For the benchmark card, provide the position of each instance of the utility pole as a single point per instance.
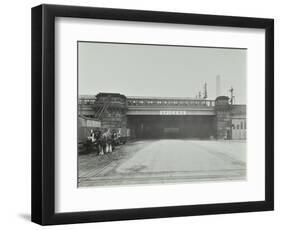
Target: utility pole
(231, 95)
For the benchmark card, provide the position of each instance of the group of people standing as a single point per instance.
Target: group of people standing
(103, 140)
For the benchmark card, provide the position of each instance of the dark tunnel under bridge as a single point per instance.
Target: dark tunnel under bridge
(172, 126)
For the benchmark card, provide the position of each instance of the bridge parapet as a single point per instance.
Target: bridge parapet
(158, 102)
(86, 100)
(169, 102)
(100, 100)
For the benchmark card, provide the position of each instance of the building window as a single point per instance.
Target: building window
(237, 126)
(241, 125)
(245, 127)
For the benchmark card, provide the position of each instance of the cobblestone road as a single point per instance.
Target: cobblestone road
(165, 161)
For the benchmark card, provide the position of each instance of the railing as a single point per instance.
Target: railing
(90, 100)
(169, 102)
(86, 100)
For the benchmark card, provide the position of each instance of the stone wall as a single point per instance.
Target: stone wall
(114, 118)
(114, 108)
(223, 118)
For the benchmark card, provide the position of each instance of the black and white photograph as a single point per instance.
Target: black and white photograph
(158, 114)
(140, 114)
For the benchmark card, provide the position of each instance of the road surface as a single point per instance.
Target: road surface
(166, 161)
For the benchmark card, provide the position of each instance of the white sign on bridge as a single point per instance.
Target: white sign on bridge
(193, 112)
(175, 112)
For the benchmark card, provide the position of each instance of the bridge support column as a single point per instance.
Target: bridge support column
(111, 108)
(223, 118)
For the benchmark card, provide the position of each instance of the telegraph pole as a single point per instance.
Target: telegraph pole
(231, 95)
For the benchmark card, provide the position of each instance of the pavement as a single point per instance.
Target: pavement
(165, 161)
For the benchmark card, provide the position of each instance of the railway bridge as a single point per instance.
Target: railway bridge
(165, 117)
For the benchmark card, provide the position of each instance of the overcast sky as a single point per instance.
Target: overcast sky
(167, 71)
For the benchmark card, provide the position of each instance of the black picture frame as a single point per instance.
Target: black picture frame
(43, 114)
